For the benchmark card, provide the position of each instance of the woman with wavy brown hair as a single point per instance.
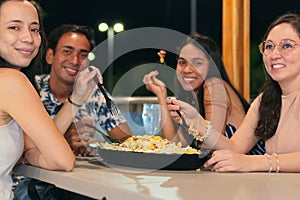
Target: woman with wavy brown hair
(202, 81)
(273, 115)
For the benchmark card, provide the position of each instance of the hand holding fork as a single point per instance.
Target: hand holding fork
(84, 85)
(190, 119)
(110, 103)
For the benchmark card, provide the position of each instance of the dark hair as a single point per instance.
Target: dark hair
(55, 35)
(36, 64)
(271, 91)
(212, 52)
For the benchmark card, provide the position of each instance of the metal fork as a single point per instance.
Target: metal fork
(106, 138)
(184, 125)
(185, 129)
(110, 103)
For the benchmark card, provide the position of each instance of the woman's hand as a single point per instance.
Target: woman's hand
(228, 161)
(155, 85)
(186, 110)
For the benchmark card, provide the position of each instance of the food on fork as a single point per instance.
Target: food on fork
(162, 55)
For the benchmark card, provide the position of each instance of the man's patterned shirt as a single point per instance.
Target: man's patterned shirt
(94, 108)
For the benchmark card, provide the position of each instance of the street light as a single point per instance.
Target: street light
(116, 27)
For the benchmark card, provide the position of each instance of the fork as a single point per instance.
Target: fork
(106, 138)
(186, 131)
(185, 127)
(110, 103)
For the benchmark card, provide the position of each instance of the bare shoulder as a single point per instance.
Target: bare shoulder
(13, 83)
(10, 78)
(213, 81)
(214, 90)
(9, 74)
(213, 84)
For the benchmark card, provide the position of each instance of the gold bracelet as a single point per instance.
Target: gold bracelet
(270, 162)
(192, 131)
(208, 130)
(277, 162)
(75, 104)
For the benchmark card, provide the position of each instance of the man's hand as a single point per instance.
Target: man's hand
(79, 136)
(85, 83)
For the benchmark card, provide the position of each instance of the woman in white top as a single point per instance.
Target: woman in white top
(273, 116)
(24, 122)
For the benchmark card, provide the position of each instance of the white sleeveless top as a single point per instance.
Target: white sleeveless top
(11, 149)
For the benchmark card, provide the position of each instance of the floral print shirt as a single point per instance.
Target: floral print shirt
(94, 108)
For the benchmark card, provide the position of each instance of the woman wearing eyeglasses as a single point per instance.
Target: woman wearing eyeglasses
(273, 116)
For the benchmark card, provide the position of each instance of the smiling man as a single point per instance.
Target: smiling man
(68, 49)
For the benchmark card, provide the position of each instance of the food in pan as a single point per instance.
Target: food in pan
(151, 144)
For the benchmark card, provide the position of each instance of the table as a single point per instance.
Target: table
(99, 181)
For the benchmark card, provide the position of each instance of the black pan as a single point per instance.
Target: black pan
(153, 160)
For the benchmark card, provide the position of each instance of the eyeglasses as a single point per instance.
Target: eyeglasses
(285, 47)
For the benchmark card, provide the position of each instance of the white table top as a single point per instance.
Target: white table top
(98, 181)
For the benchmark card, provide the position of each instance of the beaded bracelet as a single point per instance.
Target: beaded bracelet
(277, 162)
(270, 162)
(75, 104)
(208, 130)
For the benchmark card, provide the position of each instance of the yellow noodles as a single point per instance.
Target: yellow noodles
(151, 144)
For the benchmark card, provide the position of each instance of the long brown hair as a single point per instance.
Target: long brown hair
(271, 91)
(216, 69)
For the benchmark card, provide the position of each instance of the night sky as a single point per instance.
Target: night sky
(171, 14)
